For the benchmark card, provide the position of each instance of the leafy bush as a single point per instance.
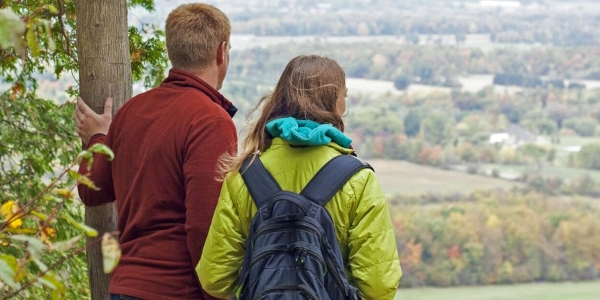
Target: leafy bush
(402, 82)
(43, 240)
(583, 126)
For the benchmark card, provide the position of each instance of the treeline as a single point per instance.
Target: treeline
(430, 65)
(546, 23)
(533, 81)
(496, 237)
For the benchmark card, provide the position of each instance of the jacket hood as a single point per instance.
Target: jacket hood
(307, 132)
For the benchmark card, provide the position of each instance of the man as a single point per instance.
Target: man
(167, 143)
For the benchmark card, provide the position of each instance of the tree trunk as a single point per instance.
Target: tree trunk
(104, 70)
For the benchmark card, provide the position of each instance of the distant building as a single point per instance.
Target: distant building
(500, 3)
(514, 135)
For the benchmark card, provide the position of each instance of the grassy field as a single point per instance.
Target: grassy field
(546, 171)
(566, 141)
(569, 144)
(532, 291)
(401, 177)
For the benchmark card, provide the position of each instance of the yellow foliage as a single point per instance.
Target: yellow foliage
(64, 193)
(46, 233)
(8, 211)
(493, 222)
(563, 233)
(508, 155)
(49, 231)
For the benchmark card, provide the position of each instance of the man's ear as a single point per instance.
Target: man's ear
(221, 52)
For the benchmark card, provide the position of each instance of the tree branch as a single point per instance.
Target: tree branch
(61, 23)
(51, 267)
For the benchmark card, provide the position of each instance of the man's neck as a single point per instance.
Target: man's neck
(209, 75)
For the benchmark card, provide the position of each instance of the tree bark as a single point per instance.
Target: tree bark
(104, 70)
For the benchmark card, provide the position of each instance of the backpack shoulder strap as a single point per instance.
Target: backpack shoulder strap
(331, 177)
(258, 180)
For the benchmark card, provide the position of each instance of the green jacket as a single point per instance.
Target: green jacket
(359, 211)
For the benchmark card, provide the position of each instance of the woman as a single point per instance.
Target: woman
(300, 128)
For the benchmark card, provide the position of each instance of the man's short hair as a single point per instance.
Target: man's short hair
(193, 33)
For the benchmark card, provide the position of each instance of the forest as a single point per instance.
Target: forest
(502, 90)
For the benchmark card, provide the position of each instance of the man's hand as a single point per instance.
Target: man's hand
(89, 123)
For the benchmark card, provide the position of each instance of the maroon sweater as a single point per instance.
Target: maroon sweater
(166, 142)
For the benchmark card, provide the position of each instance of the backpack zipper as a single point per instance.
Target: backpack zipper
(328, 263)
(314, 254)
(336, 274)
(305, 250)
(302, 223)
(300, 287)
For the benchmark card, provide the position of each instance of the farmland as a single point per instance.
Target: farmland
(402, 177)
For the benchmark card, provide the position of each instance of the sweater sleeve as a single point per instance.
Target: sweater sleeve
(224, 250)
(100, 174)
(205, 143)
(373, 256)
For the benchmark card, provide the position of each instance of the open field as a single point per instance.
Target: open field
(532, 291)
(566, 173)
(406, 178)
(573, 141)
(572, 144)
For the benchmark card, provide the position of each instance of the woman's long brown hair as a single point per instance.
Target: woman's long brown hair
(308, 89)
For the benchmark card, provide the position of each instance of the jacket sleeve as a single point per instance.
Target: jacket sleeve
(223, 253)
(373, 254)
(205, 143)
(100, 174)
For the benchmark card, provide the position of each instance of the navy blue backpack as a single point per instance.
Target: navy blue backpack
(292, 252)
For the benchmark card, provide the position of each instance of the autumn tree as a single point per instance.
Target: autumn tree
(41, 222)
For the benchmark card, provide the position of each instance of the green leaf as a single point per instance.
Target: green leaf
(51, 43)
(41, 216)
(74, 174)
(102, 149)
(111, 252)
(34, 245)
(11, 28)
(33, 44)
(85, 154)
(83, 180)
(50, 280)
(89, 231)
(65, 245)
(51, 8)
(41, 265)
(8, 267)
(147, 4)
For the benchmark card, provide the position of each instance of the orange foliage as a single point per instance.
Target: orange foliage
(15, 91)
(136, 55)
(378, 146)
(424, 154)
(411, 256)
(436, 155)
(454, 252)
